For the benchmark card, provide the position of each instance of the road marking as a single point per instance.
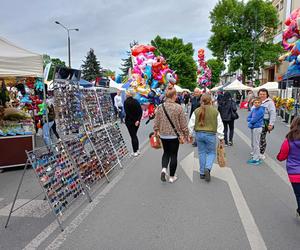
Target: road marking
(59, 240)
(35, 209)
(254, 236)
(269, 161)
(188, 164)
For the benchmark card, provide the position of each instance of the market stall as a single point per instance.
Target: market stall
(21, 102)
(272, 88)
(237, 85)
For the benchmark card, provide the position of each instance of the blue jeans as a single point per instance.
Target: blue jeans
(206, 143)
(46, 132)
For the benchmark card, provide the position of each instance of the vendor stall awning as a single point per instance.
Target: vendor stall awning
(15, 61)
(237, 85)
(271, 86)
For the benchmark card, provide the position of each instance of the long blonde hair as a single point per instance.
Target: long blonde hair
(205, 100)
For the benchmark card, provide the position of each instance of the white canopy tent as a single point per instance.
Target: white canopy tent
(214, 89)
(186, 90)
(237, 85)
(113, 86)
(15, 61)
(271, 86)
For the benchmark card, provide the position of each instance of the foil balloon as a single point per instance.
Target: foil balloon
(204, 72)
(150, 75)
(291, 43)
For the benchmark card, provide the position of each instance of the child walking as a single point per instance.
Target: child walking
(290, 151)
(255, 123)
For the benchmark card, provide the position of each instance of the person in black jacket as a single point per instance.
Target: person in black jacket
(227, 108)
(133, 116)
(195, 101)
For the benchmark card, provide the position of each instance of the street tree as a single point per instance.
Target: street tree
(55, 62)
(216, 66)
(243, 33)
(127, 62)
(179, 56)
(91, 66)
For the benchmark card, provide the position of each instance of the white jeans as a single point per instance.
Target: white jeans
(255, 139)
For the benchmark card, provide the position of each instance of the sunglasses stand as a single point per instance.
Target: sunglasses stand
(59, 177)
(67, 106)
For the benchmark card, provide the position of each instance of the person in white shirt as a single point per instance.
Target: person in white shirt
(119, 105)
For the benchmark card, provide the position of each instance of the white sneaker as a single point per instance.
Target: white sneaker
(135, 154)
(163, 175)
(262, 156)
(173, 179)
(251, 153)
(139, 152)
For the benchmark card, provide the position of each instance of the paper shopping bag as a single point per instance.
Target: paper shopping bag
(221, 155)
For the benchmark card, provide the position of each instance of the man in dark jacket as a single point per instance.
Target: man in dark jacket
(195, 103)
(133, 116)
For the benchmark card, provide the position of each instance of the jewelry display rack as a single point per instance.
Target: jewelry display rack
(69, 167)
(67, 106)
(59, 177)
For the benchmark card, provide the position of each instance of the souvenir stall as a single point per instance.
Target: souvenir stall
(21, 94)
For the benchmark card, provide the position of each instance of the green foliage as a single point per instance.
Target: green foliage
(55, 62)
(90, 67)
(109, 73)
(179, 56)
(243, 32)
(127, 62)
(216, 66)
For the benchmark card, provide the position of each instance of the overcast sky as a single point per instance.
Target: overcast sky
(107, 26)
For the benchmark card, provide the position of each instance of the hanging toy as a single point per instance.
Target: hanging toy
(42, 109)
(39, 85)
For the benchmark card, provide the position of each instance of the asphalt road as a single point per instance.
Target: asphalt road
(243, 207)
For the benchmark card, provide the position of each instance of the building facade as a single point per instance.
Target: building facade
(271, 72)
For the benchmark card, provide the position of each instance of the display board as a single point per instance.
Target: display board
(68, 106)
(58, 175)
(106, 106)
(86, 159)
(117, 140)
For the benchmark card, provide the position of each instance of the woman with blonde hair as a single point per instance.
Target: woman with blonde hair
(171, 125)
(207, 124)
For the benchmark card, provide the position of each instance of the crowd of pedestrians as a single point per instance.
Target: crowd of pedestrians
(211, 121)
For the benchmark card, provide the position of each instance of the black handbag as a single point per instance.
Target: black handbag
(234, 114)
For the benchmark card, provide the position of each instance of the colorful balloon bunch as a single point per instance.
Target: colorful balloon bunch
(150, 74)
(291, 43)
(204, 72)
(149, 77)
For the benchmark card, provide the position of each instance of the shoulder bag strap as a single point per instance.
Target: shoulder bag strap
(172, 124)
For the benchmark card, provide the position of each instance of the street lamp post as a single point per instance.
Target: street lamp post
(69, 40)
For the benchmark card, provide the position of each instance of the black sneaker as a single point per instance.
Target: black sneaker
(207, 175)
(230, 143)
(202, 176)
